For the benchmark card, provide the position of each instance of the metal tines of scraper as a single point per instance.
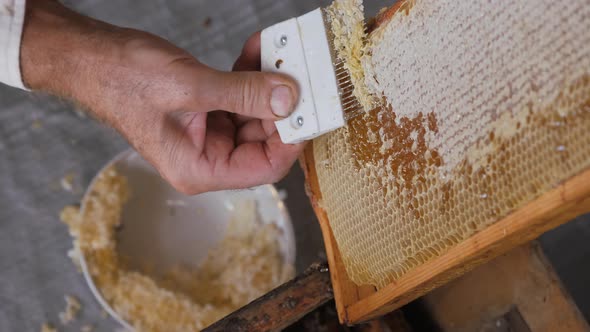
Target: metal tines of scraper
(303, 48)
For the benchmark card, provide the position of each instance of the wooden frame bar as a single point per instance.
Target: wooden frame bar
(282, 306)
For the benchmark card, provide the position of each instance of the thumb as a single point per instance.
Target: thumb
(258, 95)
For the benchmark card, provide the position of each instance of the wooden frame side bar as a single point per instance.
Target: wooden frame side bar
(346, 292)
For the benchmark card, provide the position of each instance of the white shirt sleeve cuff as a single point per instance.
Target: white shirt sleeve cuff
(12, 16)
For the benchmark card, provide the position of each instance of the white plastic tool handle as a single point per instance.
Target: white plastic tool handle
(299, 48)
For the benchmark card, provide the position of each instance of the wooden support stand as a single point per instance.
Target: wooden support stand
(518, 291)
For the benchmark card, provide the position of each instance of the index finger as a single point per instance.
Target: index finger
(249, 59)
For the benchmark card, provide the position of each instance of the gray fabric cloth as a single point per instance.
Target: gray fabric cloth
(42, 139)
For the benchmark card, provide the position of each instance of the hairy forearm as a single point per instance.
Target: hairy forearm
(60, 49)
(102, 67)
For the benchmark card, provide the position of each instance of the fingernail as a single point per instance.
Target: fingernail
(281, 101)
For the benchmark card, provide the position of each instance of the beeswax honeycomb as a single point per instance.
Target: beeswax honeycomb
(486, 106)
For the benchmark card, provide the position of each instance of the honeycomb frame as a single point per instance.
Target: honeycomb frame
(359, 303)
(550, 207)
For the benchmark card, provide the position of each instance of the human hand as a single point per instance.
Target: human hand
(202, 129)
